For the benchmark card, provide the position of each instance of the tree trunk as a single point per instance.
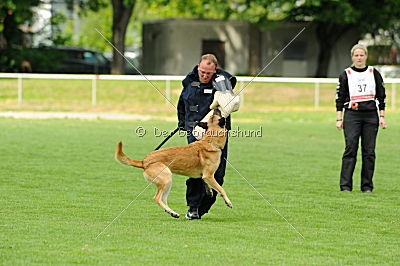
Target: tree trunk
(325, 52)
(121, 16)
(11, 33)
(327, 36)
(254, 51)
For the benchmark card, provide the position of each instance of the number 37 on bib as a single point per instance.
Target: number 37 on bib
(361, 85)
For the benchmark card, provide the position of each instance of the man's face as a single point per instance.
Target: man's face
(206, 71)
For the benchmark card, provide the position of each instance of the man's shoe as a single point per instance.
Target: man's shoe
(367, 191)
(346, 190)
(193, 214)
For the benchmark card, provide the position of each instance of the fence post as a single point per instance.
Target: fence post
(393, 96)
(167, 91)
(316, 95)
(19, 89)
(94, 90)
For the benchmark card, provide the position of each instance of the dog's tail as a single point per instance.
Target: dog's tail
(122, 158)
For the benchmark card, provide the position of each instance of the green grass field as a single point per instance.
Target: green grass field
(60, 187)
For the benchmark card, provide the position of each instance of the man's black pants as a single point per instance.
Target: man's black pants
(358, 124)
(196, 194)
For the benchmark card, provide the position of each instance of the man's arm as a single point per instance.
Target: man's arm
(233, 81)
(181, 113)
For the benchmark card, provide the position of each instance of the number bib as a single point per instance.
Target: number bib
(361, 85)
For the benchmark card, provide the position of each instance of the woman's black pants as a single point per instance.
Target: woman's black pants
(358, 124)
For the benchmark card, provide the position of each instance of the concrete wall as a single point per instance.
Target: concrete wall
(341, 58)
(275, 38)
(174, 46)
(297, 59)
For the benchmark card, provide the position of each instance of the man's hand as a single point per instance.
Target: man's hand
(226, 101)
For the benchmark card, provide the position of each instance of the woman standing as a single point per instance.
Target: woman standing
(360, 92)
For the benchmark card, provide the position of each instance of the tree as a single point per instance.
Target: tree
(13, 15)
(258, 12)
(121, 16)
(122, 12)
(333, 18)
(254, 11)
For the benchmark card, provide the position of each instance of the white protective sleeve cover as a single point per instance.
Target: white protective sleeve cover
(227, 103)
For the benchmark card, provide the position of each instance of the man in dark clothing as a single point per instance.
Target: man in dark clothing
(194, 101)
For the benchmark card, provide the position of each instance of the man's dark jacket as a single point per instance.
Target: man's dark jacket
(196, 98)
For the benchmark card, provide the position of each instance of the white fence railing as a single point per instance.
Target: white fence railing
(243, 81)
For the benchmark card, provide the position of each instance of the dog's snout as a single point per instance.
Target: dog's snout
(217, 112)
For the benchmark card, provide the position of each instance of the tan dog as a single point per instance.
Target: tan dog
(198, 159)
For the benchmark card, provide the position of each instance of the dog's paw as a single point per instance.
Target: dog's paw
(175, 215)
(229, 204)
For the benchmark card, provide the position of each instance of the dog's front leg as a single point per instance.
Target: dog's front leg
(210, 180)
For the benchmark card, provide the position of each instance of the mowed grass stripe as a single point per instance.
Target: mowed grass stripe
(60, 186)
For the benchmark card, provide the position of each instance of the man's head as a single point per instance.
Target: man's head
(207, 67)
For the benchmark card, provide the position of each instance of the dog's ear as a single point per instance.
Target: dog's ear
(222, 122)
(203, 125)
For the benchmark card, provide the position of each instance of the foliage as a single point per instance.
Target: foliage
(39, 58)
(388, 36)
(333, 19)
(259, 12)
(85, 5)
(16, 19)
(57, 37)
(13, 15)
(368, 15)
(102, 20)
(88, 37)
(383, 55)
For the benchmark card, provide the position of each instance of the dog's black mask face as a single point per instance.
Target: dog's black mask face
(203, 125)
(217, 112)
(222, 122)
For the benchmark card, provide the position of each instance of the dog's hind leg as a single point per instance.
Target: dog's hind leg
(210, 180)
(164, 197)
(160, 175)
